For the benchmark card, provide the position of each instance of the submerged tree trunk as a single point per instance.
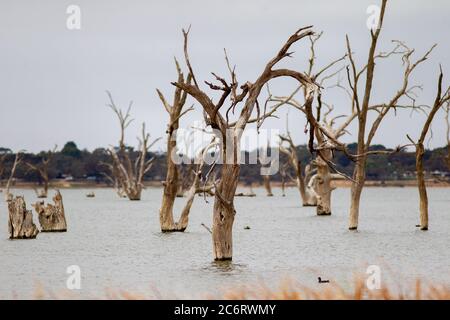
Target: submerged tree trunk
(166, 211)
(360, 177)
(266, 180)
(420, 151)
(20, 220)
(423, 207)
(52, 217)
(224, 212)
(307, 192)
(323, 186)
(283, 185)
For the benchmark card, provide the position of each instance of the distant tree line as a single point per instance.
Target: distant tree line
(72, 163)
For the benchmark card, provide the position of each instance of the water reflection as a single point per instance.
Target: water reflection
(225, 267)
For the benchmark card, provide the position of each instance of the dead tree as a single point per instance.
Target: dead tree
(447, 123)
(17, 161)
(319, 194)
(440, 100)
(366, 133)
(2, 167)
(327, 140)
(306, 184)
(230, 133)
(267, 186)
(129, 173)
(283, 175)
(172, 183)
(267, 170)
(20, 220)
(52, 217)
(42, 170)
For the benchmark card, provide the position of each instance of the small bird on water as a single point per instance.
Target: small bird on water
(322, 281)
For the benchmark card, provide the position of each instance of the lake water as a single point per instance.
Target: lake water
(117, 244)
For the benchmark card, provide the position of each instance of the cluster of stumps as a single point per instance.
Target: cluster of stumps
(20, 220)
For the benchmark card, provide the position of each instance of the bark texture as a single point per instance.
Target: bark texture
(52, 217)
(323, 186)
(20, 220)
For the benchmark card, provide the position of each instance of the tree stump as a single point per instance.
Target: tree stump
(20, 220)
(52, 217)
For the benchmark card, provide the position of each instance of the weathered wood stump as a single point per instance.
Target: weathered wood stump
(41, 193)
(52, 217)
(20, 220)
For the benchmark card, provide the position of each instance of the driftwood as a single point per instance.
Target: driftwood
(20, 220)
(52, 217)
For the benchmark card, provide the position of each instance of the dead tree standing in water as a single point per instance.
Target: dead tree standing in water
(42, 170)
(319, 193)
(305, 184)
(360, 110)
(20, 220)
(129, 174)
(268, 172)
(172, 183)
(52, 217)
(230, 133)
(17, 161)
(447, 123)
(420, 151)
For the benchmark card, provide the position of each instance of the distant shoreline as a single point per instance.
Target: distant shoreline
(158, 184)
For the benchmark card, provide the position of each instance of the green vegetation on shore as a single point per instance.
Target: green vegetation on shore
(71, 163)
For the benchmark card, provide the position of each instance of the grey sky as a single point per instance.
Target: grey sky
(53, 80)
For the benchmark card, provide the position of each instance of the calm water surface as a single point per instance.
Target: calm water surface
(117, 244)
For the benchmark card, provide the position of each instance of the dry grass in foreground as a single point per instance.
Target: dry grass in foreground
(287, 290)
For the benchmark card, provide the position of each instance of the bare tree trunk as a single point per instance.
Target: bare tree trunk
(360, 177)
(169, 195)
(447, 123)
(423, 206)
(135, 193)
(52, 217)
(307, 190)
(323, 187)
(266, 180)
(420, 151)
(224, 212)
(20, 220)
(17, 161)
(172, 185)
(283, 185)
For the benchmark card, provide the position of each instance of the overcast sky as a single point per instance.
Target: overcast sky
(53, 80)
